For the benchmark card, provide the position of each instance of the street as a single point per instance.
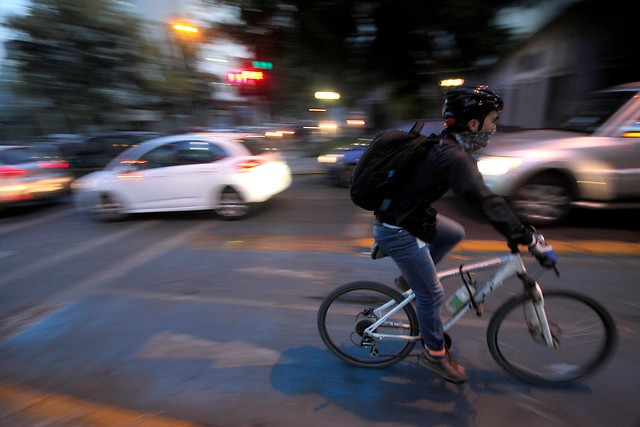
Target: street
(185, 319)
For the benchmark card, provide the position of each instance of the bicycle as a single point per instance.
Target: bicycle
(551, 339)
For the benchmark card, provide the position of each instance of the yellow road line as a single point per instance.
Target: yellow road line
(599, 247)
(34, 406)
(349, 245)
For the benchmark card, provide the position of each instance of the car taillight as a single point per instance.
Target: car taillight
(247, 165)
(9, 171)
(53, 164)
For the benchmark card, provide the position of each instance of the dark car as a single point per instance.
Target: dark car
(95, 151)
(340, 162)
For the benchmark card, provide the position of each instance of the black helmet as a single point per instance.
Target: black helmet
(468, 103)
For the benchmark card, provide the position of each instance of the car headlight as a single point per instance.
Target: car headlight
(330, 158)
(498, 165)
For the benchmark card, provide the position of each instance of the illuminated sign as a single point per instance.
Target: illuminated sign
(262, 64)
(242, 77)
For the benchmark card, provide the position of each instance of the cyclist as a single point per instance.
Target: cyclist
(470, 115)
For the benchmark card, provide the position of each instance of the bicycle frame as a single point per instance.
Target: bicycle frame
(506, 265)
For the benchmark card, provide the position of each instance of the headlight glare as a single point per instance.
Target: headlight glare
(330, 158)
(498, 165)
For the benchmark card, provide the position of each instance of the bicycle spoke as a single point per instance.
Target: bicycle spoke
(583, 331)
(345, 314)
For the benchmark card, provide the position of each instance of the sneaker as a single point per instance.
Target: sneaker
(401, 284)
(445, 366)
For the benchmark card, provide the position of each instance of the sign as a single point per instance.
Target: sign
(242, 77)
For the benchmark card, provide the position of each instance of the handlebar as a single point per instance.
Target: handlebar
(513, 247)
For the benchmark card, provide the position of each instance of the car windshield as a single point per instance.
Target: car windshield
(593, 111)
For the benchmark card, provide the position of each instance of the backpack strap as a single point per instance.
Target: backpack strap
(417, 127)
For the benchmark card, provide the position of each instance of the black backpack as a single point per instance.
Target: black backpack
(382, 172)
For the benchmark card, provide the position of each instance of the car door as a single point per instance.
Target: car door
(170, 177)
(629, 162)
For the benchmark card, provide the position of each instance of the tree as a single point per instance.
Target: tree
(88, 59)
(360, 44)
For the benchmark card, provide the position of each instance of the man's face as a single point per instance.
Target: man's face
(490, 121)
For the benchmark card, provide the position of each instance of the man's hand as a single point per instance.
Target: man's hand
(544, 253)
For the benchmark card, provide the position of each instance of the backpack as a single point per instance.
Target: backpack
(386, 165)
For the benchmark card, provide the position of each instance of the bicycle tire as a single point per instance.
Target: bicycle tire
(338, 325)
(583, 328)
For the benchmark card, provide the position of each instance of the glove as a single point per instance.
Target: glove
(544, 253)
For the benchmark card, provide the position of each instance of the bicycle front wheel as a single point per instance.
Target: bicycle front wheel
(584, 333)
(347, 311)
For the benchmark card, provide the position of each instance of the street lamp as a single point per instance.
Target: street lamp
(327, 95)
(451, 82)
(185, 28)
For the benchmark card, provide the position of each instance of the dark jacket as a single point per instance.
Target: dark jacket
(447, 167)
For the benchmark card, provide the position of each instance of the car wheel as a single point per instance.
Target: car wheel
(543, 199)
(107, 208)
(232, 205)
(344, 177)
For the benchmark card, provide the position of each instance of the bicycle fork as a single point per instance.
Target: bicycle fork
(535, 313)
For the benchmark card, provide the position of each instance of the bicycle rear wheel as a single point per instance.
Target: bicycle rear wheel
(584, 332)
(347, 311)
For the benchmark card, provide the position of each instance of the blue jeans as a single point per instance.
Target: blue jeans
(418, 268)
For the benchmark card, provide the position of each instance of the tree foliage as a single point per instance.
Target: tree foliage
(358, 44)
(88, 58)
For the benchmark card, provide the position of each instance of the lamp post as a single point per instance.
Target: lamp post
(186, 36)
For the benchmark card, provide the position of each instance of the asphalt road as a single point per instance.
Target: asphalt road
(183, 319)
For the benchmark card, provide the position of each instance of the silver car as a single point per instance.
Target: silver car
(590, 160)
(32, 173)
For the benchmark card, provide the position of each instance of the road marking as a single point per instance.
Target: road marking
(48, 218)
(234, 354)
(596, 247)
(12, 326)
(124, 267)
(6, 253)
(340, 244)
(286, 272)
(70, 253)
(45, 408)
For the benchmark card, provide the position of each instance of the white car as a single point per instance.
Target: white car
(590, 160)
(225, 172)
